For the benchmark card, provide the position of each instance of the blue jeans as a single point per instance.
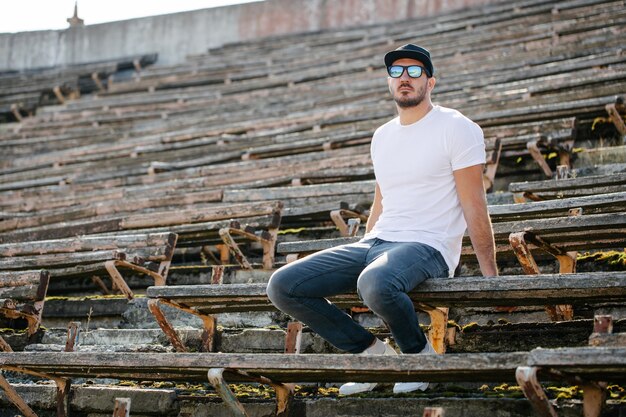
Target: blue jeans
(382, 272)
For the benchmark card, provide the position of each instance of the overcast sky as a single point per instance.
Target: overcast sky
(27, 15)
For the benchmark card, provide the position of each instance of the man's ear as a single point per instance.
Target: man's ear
(389, 85)
(431, 83)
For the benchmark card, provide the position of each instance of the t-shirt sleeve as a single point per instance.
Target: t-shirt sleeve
(467, 145)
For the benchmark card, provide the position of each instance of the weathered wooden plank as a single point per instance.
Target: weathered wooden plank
(305, 246)
(465, 291)
(600, 363)
(593, 182)
(199, 215)
(590, 204)
(283, 368)
(277, 193)
(87, 243)
(16, 278)
(62, 230)
(27, 292)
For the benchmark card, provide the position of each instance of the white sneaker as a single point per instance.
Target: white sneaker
(379, 348)
(402, 387)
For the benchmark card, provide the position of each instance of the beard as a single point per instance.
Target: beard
(406, 101)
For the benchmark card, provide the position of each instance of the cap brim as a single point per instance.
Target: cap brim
(393, 56)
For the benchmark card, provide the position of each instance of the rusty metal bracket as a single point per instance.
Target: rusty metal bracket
(120, 283)
(353, 226)
(73, 336)
(520, 248)
(438, 326)
(293, 338)
(594, 397)
(122, 407)
(433, 412)
(62, 396)
(100, 284)
(616, 118)
(32, 319)
(96, 79)
(527, 379)
(209, 323)
(567, 264)
(491, 165)
(15, 398)
(216, 378)
(284, 392)
(16, 112)
(338, 217)
(266, 238)
(4, 346)
(59, 94)
(533, 149)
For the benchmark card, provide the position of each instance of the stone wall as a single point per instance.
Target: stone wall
(174, 36)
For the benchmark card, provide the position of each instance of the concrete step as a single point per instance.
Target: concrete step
(201, 401)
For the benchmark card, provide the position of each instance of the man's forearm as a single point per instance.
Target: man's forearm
(481, 234)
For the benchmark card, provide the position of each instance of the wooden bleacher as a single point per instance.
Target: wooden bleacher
(205, 148)
(149, 254)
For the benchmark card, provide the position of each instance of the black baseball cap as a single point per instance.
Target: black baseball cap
(411, 51)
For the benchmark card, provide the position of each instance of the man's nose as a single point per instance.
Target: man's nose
(405, 75)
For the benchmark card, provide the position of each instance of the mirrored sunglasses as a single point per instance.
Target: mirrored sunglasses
(396, 71)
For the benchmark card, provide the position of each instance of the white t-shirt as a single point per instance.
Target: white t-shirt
(413, 165)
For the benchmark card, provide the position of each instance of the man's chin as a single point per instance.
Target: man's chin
(407, 103)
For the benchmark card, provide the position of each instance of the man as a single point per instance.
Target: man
(428, 163)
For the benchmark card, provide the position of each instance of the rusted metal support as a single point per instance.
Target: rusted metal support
(155, 309)
(120, 283)
(603, 332)
(527, 379)
(293, 338)
(122, 407)
(63, 397)
(284, 392)
(491, 165)
(16, 112)
(562, 172)
(118, 280)
(96, 79)
(59, 94)
(594, 396)
(533, 149)
(4, 346)
(433, 412)
(63, 389)
(217, 274)
(137, 65)
(209, 323)
(216, 378)
(232, 246)
(603, 324)
(613, 110)
(100, 284)
(15, 398)
(438, 326)
(224, 253)
(525, 258)
(338, 217)
(73, 336)
(353, 226)
(267, 239)
(567, 265)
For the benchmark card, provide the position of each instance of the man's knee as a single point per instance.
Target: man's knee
(278, 285)
(374, 289)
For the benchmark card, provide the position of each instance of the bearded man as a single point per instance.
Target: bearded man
(428, 164)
